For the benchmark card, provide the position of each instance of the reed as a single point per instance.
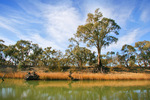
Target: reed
(82, 76)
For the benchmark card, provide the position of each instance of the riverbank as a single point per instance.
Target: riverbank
(82, 76)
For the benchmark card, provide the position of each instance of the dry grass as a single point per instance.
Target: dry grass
(82, 76)
(54, 76)
(18, 75)
(112, 76)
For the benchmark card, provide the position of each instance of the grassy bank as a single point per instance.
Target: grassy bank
(82, 76)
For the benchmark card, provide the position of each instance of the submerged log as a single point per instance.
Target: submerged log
(31, 76)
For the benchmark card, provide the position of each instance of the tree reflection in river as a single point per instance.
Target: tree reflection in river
(64, 90)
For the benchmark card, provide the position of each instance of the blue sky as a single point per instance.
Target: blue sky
(53, 22)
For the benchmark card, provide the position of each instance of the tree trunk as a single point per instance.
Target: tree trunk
(80, 64)
(127, 63)
(99, 62)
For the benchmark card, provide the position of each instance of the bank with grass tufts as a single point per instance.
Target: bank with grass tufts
(81, 76)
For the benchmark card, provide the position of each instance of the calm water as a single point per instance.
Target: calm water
(13, 89)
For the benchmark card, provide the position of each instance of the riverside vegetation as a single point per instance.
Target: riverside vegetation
(82, 76)
(132, 62)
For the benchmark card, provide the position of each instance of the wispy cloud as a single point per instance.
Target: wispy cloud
(145, 15)
(44, 43)
(45, 24)
(9, 25)
(145, 10)
(60, 20)
(61, 26)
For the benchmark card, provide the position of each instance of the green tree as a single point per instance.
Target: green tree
(2, 47)
(143, 52)
(24, 50)
(97, 32)
(11, 54)
(110, 57)
(48, 56)
(128, 53)
(120, 59)
(35, 54)
(80, 55)
(58, 60)
(104, 59)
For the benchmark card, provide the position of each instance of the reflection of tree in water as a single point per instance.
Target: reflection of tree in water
(33, 92)
(71, 82)
(32, 83)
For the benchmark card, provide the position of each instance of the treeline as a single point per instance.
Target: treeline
(25, 53)
(130, 56)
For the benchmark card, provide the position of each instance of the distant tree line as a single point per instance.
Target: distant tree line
(130, 56)
(25, 53)
(96, 32)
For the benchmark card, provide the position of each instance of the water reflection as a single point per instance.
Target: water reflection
(80, 90)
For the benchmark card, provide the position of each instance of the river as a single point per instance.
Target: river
(18, 89)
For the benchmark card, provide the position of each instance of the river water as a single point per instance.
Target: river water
(14, 89)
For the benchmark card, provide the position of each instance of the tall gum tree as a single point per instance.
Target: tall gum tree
(98, 32)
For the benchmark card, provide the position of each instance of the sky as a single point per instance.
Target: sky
(50, 23)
